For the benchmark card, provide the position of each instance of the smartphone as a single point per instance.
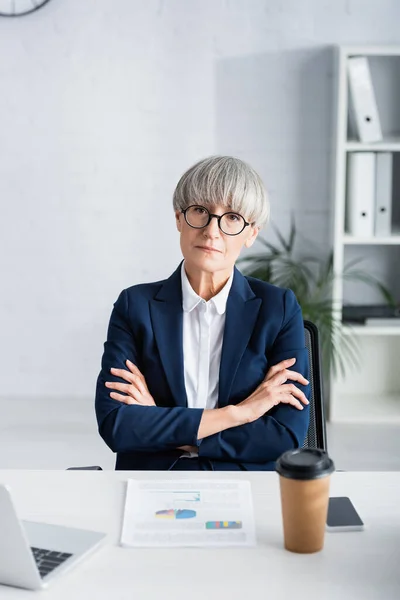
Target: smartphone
(342, 516)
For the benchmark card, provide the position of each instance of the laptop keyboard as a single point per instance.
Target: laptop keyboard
(47, 560)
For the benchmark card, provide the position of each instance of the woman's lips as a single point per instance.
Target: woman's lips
(207, 249)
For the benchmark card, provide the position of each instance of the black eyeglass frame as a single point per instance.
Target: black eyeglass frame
(218, 217)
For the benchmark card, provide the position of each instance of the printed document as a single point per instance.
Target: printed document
(188, 512)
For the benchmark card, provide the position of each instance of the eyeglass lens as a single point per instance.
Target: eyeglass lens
(230, 223)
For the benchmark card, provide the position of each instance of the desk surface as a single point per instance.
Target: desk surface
(363, 565)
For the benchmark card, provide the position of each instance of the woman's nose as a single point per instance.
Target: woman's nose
(212, 228)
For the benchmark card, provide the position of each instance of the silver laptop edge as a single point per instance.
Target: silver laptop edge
(17, 564)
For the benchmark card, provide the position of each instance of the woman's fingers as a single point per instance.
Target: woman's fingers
(289, 399)
(295, 376)
(137, 381)
(125, 388)
(136, 371)
(284, 364)
(283, 375)
(127, 375)
(121, 387)
(133, 367)
(293, 390)
(131, 378)
(133, 396)
(282, 369)
(124, 399)
(135, 391)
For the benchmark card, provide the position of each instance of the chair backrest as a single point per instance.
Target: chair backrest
(316, 435)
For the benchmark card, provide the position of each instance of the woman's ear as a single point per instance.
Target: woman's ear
(252, 237)
(178, 220)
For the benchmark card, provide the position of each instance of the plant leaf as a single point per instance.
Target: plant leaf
(311, 278)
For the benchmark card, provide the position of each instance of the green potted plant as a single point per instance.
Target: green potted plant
(311, 278)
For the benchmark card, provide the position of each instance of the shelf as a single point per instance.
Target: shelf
(366, 408)
(371, 330)
(388, 50)
(389, 144)
(389, 240)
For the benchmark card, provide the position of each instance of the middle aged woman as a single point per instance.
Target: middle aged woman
(207, 369)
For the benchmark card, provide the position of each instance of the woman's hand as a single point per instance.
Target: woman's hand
(136, 389)
(188, 448)
(274, 390)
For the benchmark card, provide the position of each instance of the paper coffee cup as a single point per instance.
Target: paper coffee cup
(304, 485)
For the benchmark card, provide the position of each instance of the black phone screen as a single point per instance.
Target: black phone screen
(341, 513)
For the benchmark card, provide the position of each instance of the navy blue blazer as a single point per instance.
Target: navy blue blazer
(263, 326)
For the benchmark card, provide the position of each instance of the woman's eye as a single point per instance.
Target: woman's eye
(233, 217)
(200, 210)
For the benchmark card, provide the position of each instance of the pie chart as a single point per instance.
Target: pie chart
(173, 513)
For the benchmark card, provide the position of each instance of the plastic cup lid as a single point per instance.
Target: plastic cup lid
(304, 463)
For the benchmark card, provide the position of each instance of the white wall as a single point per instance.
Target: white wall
(103, 104)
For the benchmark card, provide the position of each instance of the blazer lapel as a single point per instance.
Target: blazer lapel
(167, 319)
(241, 314)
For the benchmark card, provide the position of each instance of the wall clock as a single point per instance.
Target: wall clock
(18, 8)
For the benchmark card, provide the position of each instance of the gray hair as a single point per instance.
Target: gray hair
(226, 181)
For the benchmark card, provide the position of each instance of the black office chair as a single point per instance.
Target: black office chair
(316, 435)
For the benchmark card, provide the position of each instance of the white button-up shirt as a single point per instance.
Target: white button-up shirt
(203, 332)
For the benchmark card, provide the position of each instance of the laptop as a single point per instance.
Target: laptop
(33, 554)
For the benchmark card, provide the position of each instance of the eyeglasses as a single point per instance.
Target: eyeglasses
(198, 217)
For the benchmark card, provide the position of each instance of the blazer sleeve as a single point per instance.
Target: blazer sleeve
(133, 428)
(283, 427)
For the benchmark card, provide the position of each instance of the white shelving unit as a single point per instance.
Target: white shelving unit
(378, 241)
(375, 330)
(390, 144)
(370, 393)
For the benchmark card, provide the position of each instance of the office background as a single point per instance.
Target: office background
(103, 105)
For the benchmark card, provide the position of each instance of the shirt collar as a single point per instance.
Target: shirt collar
(190, 299)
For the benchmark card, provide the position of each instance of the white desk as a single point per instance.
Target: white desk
(357, 565)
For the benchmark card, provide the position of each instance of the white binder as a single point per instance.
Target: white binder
(361, 194)
(363, 102)
(383, 195)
